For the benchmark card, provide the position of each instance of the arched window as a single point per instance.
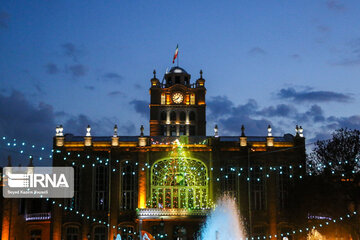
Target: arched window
(179, 183)
(192, 116)
(128, 185)
(35, 234)
(74, 202)
(100, 233)
(101, 187)
(173, 116)
(72, 233)
(182, 116)
(163, 116)
(127, 233)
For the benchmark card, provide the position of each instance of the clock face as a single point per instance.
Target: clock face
(177, 97)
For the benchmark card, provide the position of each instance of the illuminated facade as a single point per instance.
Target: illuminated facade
(166, 183)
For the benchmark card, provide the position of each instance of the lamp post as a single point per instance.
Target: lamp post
(88, 236)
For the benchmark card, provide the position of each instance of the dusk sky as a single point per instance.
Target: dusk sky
(265, 62)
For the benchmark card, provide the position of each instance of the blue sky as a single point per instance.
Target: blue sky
(265, 62)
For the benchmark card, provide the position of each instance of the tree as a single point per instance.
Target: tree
(336, 166)
(338, 156)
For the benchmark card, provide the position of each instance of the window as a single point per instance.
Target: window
(228, 183)
(163, 98)
(182, 116)
(192, 116)
(100, 233)
(283, 183)
(257, 188)
(177, 79)
(182, 130)
(101, 187)
(179, 183)
(35, 234)
(127, 233)
(192, 131)
(128, 185)
(173, 131)
(192, 99)
(163, 116)
(163, 131)
(173, 116)
(72, 233)
(74, 202)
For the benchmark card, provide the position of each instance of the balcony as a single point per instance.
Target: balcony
(37, 216)
(171, 212)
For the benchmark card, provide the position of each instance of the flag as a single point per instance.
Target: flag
(176, 52)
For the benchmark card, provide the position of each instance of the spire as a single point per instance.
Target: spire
(154, 72)
(31, 161)
(9, 161)
(115, 131)
(88, 129)
(216, 131)
(269, 131)
(201, 72)
(242, 130)
(142, 131)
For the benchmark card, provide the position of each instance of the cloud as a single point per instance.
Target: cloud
(51, 68)
(137, 86)
(77, 70)
(257, 51)
(352, 122)
(313, 96)
(72, 51)
(22, 120)
(219, 106)
(115, 93)
(229, 117)
(335, 5)
(353, 54)
(281, 110)
(295, 56)
(4, 20)
(113, 77)
(323, 28)
(141, 107)
(314, 115)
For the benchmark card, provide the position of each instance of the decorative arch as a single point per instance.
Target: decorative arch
(179, 182)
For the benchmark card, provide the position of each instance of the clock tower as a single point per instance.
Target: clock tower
(177, 107)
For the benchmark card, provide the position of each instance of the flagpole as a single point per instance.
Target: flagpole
(178, 56)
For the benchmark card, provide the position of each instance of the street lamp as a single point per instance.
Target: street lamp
(88, 236)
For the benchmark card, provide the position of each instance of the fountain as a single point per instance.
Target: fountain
(224, 222)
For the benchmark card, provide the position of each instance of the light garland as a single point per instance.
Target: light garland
(85, 216)
(307, 229)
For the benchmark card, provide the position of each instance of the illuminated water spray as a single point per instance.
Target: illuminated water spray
(224, 222)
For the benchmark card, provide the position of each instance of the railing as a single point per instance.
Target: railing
(37, 216)
(148, 212)
(192, 140)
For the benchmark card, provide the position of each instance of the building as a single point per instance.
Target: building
(165, 184)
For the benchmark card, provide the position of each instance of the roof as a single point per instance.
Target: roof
(177, 70)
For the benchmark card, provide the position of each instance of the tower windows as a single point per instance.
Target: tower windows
(163, 116)
(192, 116)
(177, 79)
(173, 116)
(173, 131)
(182, 116)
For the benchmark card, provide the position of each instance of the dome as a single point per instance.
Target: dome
(177, 70)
